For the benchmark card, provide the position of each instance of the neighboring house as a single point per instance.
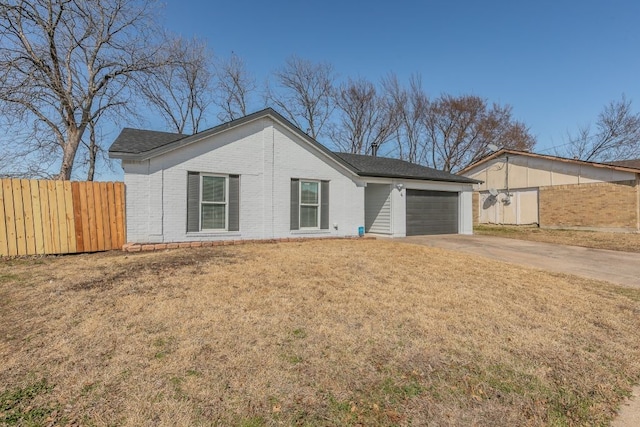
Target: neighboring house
(526, 188)
(260, 177)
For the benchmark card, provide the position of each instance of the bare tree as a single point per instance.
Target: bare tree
(305, 94)
(181, 90)
(366, 121)
(616, 135)
(234, 87)
(410, 107)
(459, 130)
(57, 57)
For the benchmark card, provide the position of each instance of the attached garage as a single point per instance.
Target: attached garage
(432, 212)
(404, 199)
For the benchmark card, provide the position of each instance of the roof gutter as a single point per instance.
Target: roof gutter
(382, 175)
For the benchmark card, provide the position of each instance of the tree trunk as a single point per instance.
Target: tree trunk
(69, 154)
(93, 152)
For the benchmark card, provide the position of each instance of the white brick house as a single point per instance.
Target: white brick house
(260, 177)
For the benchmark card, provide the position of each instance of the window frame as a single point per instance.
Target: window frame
(225, 203)
(318, 204)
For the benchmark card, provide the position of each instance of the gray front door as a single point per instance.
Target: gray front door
(431, 212)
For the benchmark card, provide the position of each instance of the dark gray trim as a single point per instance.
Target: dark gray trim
(390, 175)
(324, 205)
(295, 204)
(234, 203)
(193, 201)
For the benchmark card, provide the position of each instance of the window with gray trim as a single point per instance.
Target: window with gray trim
(212, 202)
(309, 204)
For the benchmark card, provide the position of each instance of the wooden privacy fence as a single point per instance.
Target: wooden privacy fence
(58, 217)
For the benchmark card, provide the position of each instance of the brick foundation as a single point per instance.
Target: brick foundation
(137, 247)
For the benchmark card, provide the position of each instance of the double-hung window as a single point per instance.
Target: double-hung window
(309, 204)
(213, 202)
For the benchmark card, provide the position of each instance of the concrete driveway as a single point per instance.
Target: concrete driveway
(622, 268)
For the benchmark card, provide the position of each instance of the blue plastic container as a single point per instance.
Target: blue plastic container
(360, 231)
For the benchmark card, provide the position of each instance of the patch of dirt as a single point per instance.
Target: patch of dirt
(174, 263)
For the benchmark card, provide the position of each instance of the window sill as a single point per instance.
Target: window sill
(213, 233)
(311, 231)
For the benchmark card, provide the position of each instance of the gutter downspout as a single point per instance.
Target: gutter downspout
(507, 176)
(273, 179)
(161, 204)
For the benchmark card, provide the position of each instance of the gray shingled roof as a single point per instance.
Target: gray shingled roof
(395, 168)
(136, 141)
(138, 144)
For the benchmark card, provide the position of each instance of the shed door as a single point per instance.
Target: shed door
(431, 212)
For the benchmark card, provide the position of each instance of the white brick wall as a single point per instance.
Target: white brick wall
(136, 181)
(266, 155)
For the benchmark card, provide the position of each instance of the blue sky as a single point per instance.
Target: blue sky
(556, 62)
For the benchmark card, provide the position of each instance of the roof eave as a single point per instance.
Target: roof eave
(547, 157)
(267, 112)
(469, 181)
(125, 156)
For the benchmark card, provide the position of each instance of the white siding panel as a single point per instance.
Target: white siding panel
(377, 199)
(522, 209)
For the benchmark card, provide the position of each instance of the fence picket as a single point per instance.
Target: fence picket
(97, 203)
(91, 213)
(10, 215)
(104, 208)
(38, 234)
(68, 209)
(77, 216)
(120, 213)
(27, 208)
(62, 222)
(55, 217)
(4, 249)
(18, 207)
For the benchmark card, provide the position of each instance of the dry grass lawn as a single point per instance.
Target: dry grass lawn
(327, 333)
(626, 242)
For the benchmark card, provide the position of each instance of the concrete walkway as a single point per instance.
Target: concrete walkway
(622, 268)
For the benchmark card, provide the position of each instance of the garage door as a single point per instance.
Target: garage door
(431, 212)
